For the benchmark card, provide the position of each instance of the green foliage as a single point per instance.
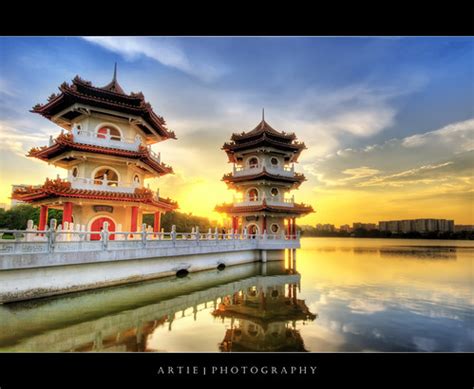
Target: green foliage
(183, 222)
(17, 217)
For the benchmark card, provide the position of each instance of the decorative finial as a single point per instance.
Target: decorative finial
(115, 72)
(263, 114)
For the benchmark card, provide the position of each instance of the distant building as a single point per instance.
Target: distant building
(325, 227)
(463, 227)
(417, 225)
(365, 226)
(345, 227)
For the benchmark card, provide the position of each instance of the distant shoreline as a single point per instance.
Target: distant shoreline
(462, 235)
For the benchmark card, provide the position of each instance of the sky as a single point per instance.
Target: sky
(388, 121)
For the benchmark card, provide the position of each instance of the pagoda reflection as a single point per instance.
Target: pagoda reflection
(260, 299)
(264, 319)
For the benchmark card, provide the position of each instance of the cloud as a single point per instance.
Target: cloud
(460, 134)
(166, 51)
(360, 172)
(18, 136)
(428, 158)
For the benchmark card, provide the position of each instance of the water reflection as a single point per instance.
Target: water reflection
(132, 318)
(264, 319)
(352, 295)
(388, 295)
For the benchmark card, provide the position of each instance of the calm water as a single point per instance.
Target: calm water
(347, 295)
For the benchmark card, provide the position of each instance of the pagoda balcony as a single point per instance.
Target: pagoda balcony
(103, 184)
(287, 171)
(270, 200)
(111, 141)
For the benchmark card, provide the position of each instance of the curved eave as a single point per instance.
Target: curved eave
(297, 209)
(229, 178)
(43, 193)
(117, 102)
(63, 145)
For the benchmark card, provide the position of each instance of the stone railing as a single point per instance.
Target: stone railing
(103, 184)
(286, 171)
(271, 200)
(106, 140)
(72, 237)
(155, 156)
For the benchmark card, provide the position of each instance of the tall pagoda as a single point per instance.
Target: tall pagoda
(263, 175)
(104, 145)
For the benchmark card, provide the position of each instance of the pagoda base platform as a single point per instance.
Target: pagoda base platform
(35, 275)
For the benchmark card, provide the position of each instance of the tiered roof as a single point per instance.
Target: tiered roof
(295, 179)
(297, 209)
(263, 135)
(111, 97)
(59, 188)
(65, 142)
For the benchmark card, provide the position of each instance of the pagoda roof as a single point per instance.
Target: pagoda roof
(264, 174)
(261, 128)
(283, 312)
(264, 139)
(65, 142)
(111, 97)
(60, 188)
(297, 209)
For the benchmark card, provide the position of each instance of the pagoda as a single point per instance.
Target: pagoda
(263, 175)
(263, 318)
(104, 145)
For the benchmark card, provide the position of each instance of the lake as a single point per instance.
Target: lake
(346, 294)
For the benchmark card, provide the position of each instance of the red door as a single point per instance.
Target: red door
(98, 225)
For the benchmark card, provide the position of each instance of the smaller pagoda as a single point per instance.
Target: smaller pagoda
(263, 318)
(105, 148)
(263, 175)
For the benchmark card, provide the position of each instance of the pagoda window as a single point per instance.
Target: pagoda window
(274, 161)
(274, 192)
(109, 131)
(75, 172)
(253, 194)
(253, 162)
(106, 174)
(136, 179)
(274, 228)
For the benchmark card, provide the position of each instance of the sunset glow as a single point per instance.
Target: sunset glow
(389, 123)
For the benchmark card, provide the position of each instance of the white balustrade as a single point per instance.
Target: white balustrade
(105, 140)
(103, 184)
(155, 156)
(71, 237)
(271, 200)
(286, 171)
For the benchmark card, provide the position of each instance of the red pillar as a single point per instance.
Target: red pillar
(133, 222)
(264, 225)
(235, 223)
(67, 212)
(43, 219)
(156, 222)
(293, 225)
(289, 228)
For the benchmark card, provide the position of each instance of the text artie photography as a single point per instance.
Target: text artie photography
(271, 208)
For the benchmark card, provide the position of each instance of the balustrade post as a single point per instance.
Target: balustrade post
(105, 235)
(173, 233)
(51, 235)
(197, 233)
(144, 235)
